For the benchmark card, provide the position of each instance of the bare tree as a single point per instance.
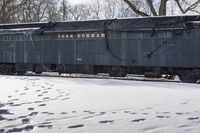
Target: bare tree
(8, 9)
(184, 6)
(64, 10)
(96, 9)
(124, 10)
(110, 8)
(52, 12)
(187, 6)
(34, 11)
(80, 12)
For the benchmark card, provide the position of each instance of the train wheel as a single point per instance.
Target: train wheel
(122, 73)
(21, 73)
(113, 74)
(170, 77)
(7, 69)
(188, 77)
(38, 72)
(117, 72)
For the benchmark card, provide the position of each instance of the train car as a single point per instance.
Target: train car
(153, 46)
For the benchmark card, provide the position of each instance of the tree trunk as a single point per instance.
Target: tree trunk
(163, 9)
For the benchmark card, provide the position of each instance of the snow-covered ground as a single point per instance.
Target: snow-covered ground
(75, 105)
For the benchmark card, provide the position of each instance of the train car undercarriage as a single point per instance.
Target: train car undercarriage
(185, 75)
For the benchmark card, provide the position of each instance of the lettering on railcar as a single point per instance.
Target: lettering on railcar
(81, 35)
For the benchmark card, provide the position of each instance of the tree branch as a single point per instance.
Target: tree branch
(150, 3)
(191, 7)
(133, 7)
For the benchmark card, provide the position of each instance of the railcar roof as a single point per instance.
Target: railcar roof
(162, 22)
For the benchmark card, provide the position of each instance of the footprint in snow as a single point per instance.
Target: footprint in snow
(46, 98)
(160, 116)
(76, 126)
(22, 117)
(151, 129)
(149, 108)
(4, 112)
(67, 94)
(13, 100)
(33, 114)
(25, 121)
(65, 99)
(102, 113)
(133, 113)
(48, 113)
(16, 105)
(59, 96)
(26, 128)
(38, 101)
(145, 113)
(179, 113)
(1, 105)
(184, 126)
(26, 89)
(30, 108)
(138, 120)
(2, 118)
(89, 112)
(166, 112)
(126, 111)
(193, 118)
(63, 113)
(48, 88)
(106, 121)
(45, 126)
(38, 91)
(58, 90)
(9, 96)
(42, 105)
(74, 111)
(45, 92)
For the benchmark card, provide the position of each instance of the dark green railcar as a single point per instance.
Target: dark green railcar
(153, 46)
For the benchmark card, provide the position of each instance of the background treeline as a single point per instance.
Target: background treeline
(14, 11)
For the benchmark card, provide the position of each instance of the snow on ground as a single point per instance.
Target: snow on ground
(75, 105)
